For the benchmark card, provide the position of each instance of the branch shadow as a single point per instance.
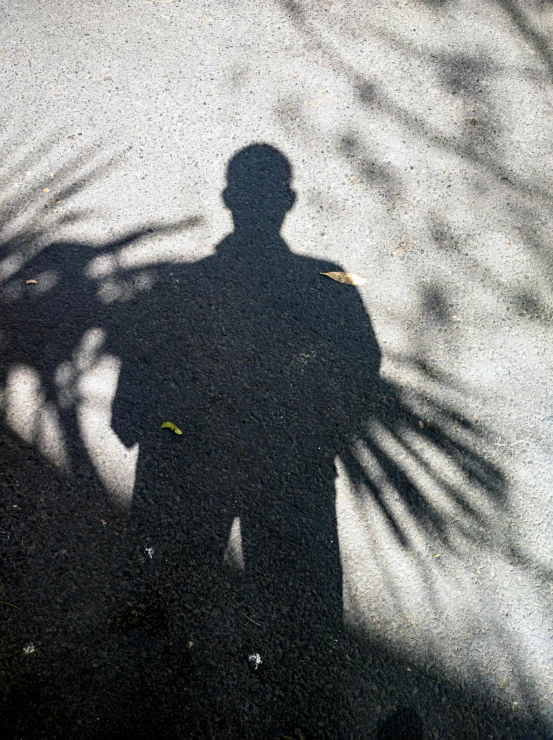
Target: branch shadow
(478, 144)
(214, 608)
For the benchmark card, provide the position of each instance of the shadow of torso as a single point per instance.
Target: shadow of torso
(266, 367)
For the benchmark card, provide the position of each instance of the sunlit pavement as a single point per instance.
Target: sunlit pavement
(352, 536)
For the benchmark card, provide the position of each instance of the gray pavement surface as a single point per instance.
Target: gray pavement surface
(352, 535)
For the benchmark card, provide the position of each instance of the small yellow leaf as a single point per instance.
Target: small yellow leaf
(437, 555)
(421, 424)
(348, 278)
(46, 190)
(31, 282)
(171, 426)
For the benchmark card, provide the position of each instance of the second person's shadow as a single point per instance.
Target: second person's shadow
(267, 367)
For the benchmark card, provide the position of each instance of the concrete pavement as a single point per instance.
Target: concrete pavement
(352, 538)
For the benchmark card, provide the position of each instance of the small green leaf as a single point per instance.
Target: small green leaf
(171, 426)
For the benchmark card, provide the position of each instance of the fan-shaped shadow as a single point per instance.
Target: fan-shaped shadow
(428, 454)
(228, 568)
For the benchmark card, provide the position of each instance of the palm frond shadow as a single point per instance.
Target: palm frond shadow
(423, 464)
(30, 211)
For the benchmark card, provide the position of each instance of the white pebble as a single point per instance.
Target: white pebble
(256, 660)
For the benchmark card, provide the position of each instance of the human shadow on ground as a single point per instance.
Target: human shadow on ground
(266, 367)
(214, 610)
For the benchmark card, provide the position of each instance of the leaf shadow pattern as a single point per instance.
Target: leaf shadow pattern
(529, 29)
(411, 442)
(271, 372)
(51, 332)
(478, 143)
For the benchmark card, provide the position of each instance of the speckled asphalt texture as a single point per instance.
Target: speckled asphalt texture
(352, 535)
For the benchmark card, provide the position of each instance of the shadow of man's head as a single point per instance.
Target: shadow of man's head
(258, 191)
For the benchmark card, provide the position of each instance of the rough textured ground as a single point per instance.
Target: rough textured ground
(351, 538)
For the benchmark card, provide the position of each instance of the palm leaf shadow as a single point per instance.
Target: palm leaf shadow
(423, 464)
